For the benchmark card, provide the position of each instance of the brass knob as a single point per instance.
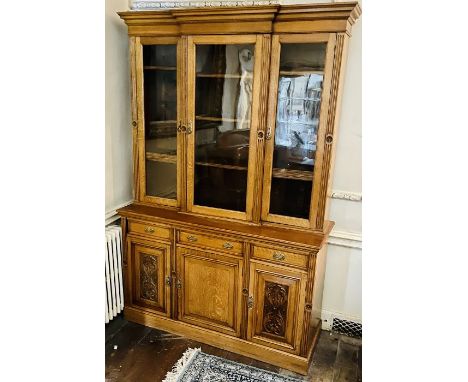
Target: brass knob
(149, 229)
(178, 284)
(168, 280)
(192, 238)
(328, 139)
(260, 135)
(228, 246)
(250, 302)
(134, 123)
(245, 291)
(308, 307)
(278, 256)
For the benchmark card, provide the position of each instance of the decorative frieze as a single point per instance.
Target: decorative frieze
(146, 5)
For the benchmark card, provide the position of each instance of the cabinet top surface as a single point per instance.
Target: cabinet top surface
(313, 239)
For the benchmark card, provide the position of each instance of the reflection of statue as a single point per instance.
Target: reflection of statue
(245, 95)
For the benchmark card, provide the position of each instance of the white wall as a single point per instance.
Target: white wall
(342, 292)
(343, 285)
(118, 118)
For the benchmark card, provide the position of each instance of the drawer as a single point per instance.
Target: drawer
(149, 230)
(281, 257)
(221, 243)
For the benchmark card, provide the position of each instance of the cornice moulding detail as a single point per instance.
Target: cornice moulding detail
(112, 216)
(346, 195)
(142, 5)
(345, 239)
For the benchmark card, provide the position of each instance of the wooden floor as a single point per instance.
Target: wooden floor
(136, 353)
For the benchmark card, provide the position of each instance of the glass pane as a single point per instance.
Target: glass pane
(297, 120)
(160, 96)
(223, 101)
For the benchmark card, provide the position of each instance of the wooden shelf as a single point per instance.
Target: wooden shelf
(163, 123)
(221, 75)
(157, 157)
(299, 72)
(217, 119)
(165, 68)
(292, 174)
(217, 165)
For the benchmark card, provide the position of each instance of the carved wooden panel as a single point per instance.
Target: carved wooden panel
(210, 290)
(149, 267)
(275, 308)
(149, 278)
(275, 317)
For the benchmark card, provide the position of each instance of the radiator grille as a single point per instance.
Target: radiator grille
(349, 328)
(113, 272)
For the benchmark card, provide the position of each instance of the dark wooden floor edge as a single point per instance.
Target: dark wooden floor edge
(256, 351)
(315, 339)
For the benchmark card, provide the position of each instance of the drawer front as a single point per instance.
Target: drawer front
(279, 256)
(219, 243)
(149, 230)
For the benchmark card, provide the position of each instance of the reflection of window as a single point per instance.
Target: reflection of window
(298, 110)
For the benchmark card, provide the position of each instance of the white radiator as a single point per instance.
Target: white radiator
(114, 283)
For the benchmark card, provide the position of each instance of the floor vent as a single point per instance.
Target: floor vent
(349, 328)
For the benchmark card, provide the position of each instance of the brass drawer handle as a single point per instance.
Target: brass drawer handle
(192, 238)
(149, 229)
(278, 256)
(228, 246)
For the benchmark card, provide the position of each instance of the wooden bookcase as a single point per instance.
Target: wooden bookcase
(235, 114)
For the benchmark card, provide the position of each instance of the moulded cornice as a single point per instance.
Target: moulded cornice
(308, 18)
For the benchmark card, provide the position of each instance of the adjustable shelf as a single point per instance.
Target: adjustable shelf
(217, 119)
(156, 67)
(225, 166)
(158, 157)
(292, 174)
(221, 75)
(299, 72)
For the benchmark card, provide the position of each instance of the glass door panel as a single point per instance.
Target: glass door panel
(160, 116)
(299, 92)
(223, 111)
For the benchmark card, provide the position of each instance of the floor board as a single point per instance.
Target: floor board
(135, 353)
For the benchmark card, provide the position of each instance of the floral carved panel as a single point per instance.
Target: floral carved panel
(149, 278)
(275, 309)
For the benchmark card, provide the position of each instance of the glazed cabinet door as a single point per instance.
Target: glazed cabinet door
(276, 306)
(223, 106)
(300, 76)
(149, 272)
(209, 290)
(159, 65)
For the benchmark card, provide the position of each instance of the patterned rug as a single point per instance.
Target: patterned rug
(195, 366)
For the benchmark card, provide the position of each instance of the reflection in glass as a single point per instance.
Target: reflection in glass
(297, 120)
(160, 105)
(224, 78)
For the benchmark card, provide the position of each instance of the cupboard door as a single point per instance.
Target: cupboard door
(297, 111)
(150, 271)
(276, 306)
(223, 106)
(159, 65)
(209, 287)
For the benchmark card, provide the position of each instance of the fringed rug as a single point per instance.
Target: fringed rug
(195, 366)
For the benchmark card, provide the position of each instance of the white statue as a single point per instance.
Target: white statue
(246, 60)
